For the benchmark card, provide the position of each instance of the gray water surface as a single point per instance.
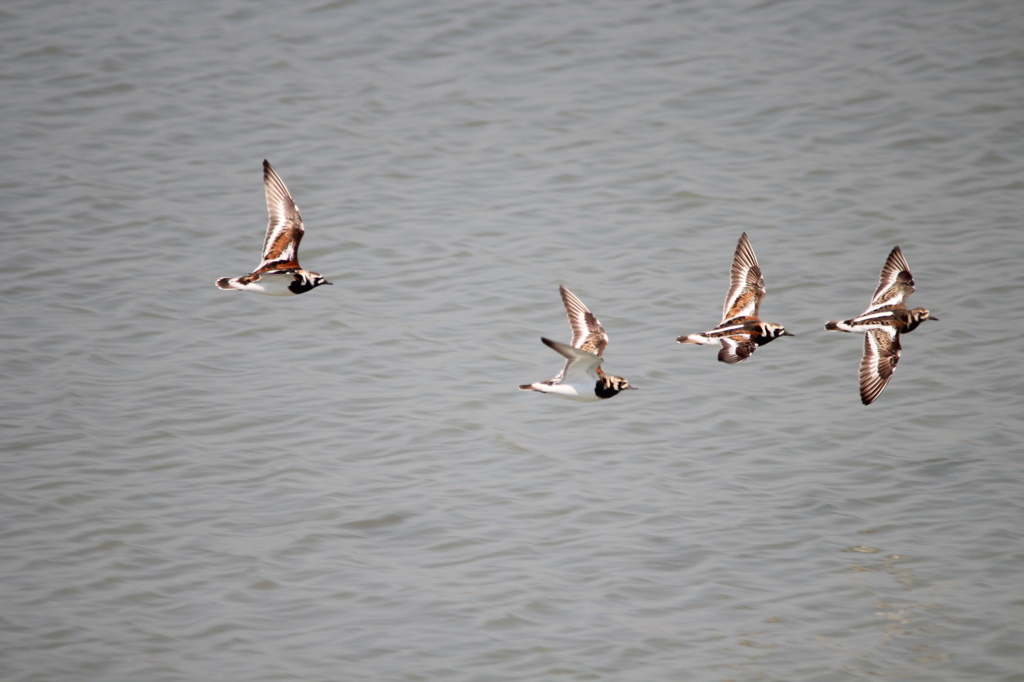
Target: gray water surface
(346, 485)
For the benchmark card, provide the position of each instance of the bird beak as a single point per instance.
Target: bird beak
(788, 334)
(932, 317)
(326, 282)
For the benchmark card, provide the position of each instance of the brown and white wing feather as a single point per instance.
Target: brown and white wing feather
(285, 229)
(747, 285)
(881, 353)
(895, 284)
(733, 351)
(587, 332)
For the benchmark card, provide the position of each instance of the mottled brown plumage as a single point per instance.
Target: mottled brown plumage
(741, 330)
(581, 378)
(886, 318)
(279, 272)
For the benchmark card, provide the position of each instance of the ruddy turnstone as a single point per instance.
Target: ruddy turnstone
(581, 378)
(279, 274)
(741, 331)
(882, 323)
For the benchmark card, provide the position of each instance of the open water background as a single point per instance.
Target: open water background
(204, 485)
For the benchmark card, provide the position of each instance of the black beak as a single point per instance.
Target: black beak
(932, 317)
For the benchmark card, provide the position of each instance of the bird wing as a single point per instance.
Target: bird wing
(580, 365)
(895, 284)
(285, 229)
(587, 332)
(747, 285)
(734, 351)
(881, 353)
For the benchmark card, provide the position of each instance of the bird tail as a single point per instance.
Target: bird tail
(226, 283)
